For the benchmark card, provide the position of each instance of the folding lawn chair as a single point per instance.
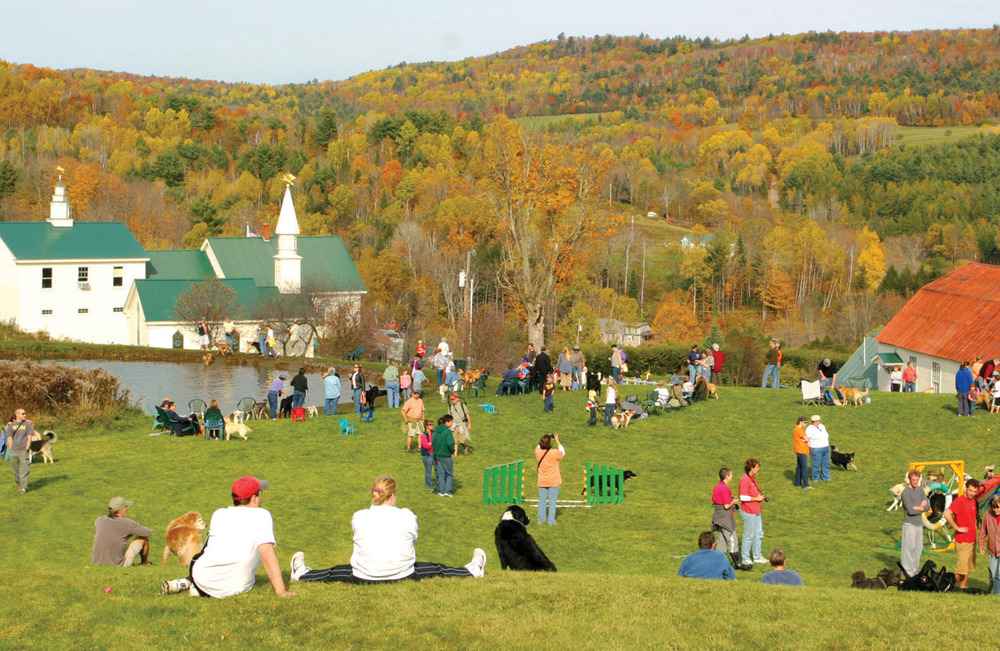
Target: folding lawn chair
(811, 393)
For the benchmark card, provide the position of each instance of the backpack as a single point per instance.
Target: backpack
(828, 398)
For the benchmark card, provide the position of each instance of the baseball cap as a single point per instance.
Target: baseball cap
(815, 418)
(576, 348)
(282, 377)
(826, 361)
(118, 503)
(246, 487)
(454, 397)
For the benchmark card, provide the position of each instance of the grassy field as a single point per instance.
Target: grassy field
(616, 584)
(933, 135)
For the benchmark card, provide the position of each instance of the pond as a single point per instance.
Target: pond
(150, 382)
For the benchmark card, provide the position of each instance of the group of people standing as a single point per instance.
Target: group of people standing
(707, 364)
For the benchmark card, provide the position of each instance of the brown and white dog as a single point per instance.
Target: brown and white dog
(183, 537)
(710, 387)
(42, 444)
(622, 418)
(857, 396)
(239, 429)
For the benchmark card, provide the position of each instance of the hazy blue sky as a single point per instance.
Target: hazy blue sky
(277, 42)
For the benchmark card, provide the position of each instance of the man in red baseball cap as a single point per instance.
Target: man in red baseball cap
(240, 538)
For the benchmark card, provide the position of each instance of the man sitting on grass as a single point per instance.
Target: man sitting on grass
(111, 545)
(707, 562)
(778, 574)
(240, 538)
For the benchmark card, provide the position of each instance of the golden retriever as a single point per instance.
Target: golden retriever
(183, 537)
(857, 396)
(239, 429)
(710, 387)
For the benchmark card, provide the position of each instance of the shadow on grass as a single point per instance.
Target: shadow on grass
(45, 481)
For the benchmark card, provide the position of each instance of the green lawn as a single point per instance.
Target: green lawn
(933, 135)
(616, 584)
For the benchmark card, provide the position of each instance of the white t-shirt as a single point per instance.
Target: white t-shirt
(231, 558)
(611, 396)
(817, 436)
(443, 347)
(383, 543)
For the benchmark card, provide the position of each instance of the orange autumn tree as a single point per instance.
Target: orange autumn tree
(545, 202)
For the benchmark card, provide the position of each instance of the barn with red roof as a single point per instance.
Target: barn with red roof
(948, 321)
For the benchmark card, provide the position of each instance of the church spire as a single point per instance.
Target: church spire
(60, 214)
(287, 262)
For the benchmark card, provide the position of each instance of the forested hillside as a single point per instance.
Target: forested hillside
(545, 160)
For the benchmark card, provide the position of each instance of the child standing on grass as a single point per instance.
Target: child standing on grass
(723, 520)
(548, 391)
(592, 406)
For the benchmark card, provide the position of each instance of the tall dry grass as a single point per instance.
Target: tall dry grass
(66, 392)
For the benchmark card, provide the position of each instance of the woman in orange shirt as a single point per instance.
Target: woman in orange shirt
(801, 454)
(549, 477)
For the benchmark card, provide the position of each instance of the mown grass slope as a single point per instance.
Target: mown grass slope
(616, 584)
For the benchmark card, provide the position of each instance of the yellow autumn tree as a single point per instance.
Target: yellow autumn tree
(871, 260)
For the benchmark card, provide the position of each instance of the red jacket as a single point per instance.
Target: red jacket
(719, 357)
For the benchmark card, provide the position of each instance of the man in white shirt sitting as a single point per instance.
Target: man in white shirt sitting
(240, 538)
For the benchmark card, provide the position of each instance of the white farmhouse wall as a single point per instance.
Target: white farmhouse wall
(66, 311)
(9, 290)
(941, 379)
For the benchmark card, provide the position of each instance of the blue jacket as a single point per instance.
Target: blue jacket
(331, 386)
(963, 380)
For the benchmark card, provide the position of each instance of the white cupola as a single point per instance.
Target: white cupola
(60, 214)
(287, 262)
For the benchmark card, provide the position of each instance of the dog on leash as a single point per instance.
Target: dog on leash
(312, 411)
(712, 389)
(516, 548)
(857, 396)
(239, 429)
(42, 444)
(842, 459)
(183, 537)
(224, 348)
(622, 418)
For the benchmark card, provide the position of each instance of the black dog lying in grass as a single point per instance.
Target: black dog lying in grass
(880, 581)
(516, 549)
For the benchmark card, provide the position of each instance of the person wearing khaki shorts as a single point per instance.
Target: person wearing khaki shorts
(961, 515)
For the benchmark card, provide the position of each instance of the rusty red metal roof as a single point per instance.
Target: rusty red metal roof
(953, 317)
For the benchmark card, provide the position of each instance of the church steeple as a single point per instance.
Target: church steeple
(60, 214)
(287, 262)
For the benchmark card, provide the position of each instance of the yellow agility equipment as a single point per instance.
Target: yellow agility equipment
(957, 467)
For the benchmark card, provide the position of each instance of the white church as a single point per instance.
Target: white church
(93, 282)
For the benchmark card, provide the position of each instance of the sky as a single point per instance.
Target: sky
(281, 42)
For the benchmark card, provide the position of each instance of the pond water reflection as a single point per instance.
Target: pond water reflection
(149, 382)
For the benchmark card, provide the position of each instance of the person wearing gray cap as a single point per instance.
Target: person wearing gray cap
(276, 390)
(240, 539)
(111, 545)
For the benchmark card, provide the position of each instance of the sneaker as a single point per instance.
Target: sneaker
(299, 566)
(175, 586)
(447, 495)
(477, 567)
(807, 488)
(760, 561)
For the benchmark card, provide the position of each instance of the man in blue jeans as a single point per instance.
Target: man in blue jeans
(443, 443)
(275, 392)
(300, 385)
(771, 370)
(819, 449)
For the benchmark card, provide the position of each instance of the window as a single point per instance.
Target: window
(119, 309)
(82, 274)
(118, 277)
(83, 310)
(46, 277)
(46, 312)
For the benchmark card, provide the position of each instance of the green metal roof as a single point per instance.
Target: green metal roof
(179, 265)
(326, 265)
(159, 297)
(82, 240)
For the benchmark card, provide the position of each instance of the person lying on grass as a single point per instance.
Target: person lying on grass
(240, 538)
(383, 547)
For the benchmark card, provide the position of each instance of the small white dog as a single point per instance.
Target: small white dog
(239, 429)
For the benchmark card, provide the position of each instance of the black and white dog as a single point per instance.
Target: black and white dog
(516, 549)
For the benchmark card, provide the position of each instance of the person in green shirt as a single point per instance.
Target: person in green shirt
(391, 377)
(444, 454)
